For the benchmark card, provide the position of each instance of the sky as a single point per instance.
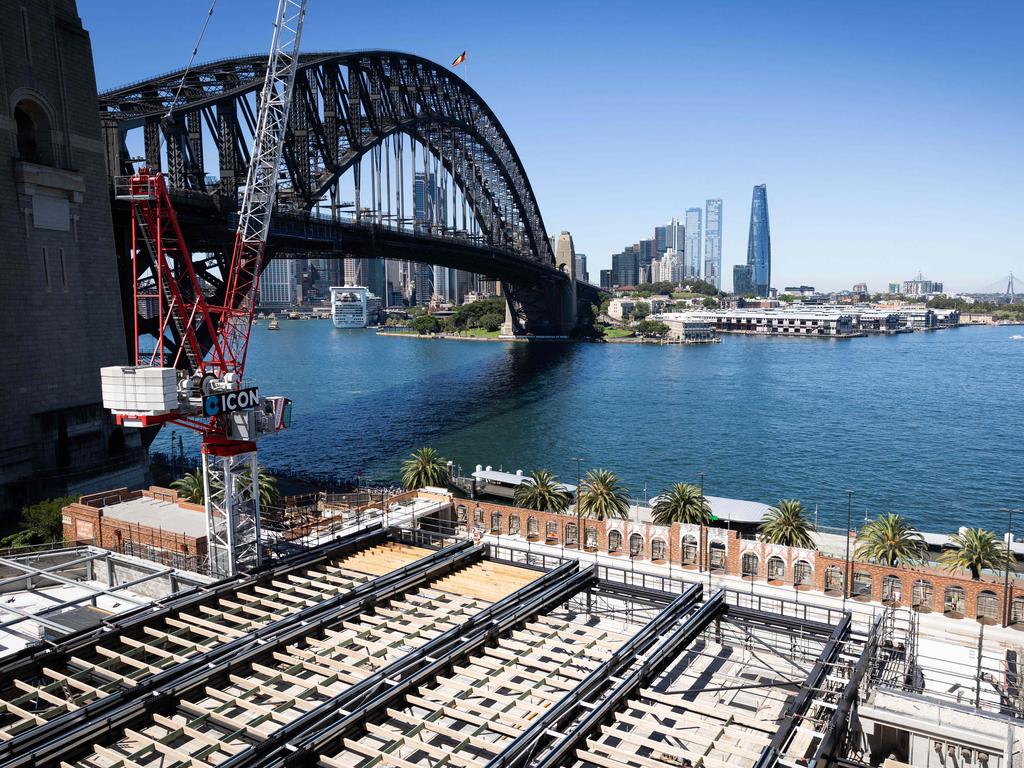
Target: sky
(889, 134)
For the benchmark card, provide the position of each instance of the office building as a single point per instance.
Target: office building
(691, 250)
(646, 252)
(626, 266)
(606, 279)
(759, 243)
(671, 266)
(743, 280)
(60, 298)
(669, 236)
(277, 284)
(713, 242)
(581, 268)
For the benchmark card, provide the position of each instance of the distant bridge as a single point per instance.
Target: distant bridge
(388, 155)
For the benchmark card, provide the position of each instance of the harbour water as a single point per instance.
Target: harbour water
(925, 424)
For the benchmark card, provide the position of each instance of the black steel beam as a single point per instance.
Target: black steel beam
(105, 717)
(797, 710)
(565, 710)
(651, 667)
(299, 742)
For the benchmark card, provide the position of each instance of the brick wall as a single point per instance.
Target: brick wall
(812, 565)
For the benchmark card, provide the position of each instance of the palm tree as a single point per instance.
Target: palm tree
(602, 497)
(890, 540)
(424, 467)
(682, 503)
(975, 549)
(786, 524)
(542, 491)
(190, 486)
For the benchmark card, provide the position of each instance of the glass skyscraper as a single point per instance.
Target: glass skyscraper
(759, 243)
(713, 242)
(691, 253)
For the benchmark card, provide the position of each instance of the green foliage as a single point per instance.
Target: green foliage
(190, 486)
(491, 322)
(472, 315)
(682, 503)
(1013, 311)
(974, 550)
(890, 540)
(651, 328)
(41, 523)
(641, 310)
(789, 298)
(426, 324)
(602, 496)
(660, 288)
(710, 303)
(614, 332)
(424, 467)
(786, 524)
(542, 492)
(606, 301)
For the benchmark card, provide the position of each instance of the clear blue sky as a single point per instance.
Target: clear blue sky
(890, 134)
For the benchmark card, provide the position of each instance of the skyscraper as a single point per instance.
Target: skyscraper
(428, 208)
(669, 236)
(713, 242)
(759, 242)
(691, 252)
(626, 266)
(581, 268)
(742, 279)
(277, 284)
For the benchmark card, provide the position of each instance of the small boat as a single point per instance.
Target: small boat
(273, 325)
(1017, 337)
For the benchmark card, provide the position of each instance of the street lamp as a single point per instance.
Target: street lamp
(849, 522)
(1006, 568)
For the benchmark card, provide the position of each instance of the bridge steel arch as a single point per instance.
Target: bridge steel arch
(348, 106)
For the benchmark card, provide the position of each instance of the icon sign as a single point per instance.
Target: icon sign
(227, 402)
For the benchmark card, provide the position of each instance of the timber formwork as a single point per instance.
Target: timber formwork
(96, 670)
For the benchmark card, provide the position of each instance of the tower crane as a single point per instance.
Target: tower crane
(176, 381)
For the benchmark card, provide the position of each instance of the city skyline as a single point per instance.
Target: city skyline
(853, 119)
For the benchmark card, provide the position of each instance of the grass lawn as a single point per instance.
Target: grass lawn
(482, 333)
(617, 333)
(687, 295)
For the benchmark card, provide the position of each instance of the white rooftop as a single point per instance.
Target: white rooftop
(159, 514)
(511, 478)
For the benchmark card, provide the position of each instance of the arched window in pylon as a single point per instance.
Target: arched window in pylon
(33, 132)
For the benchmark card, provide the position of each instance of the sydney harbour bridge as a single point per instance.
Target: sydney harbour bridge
(363, 126)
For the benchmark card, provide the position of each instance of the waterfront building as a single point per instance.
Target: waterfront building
(691, 250)
(688, 328)
(626, 266)
(742, 279)
(60, 298)
(759, 243)
(713, 242)
(623, 308)
(773, 322)
(607, 281)
(278, 284)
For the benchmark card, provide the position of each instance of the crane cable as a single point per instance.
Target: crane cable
(191, 61)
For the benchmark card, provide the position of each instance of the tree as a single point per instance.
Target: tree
(190, 486)
(641, 310)
(709, 303)
(424, 467)
(890, 540)
(542, 491)
(651, 328)
(975, 549)
(426, 324)
(492, 322)
(682, 503)
(786, 524)
(41, 523)
(602, 497)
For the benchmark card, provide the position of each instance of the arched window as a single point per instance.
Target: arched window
(33, 128)
(717, 556)
(988, 605)
(833, 579)
(513, 525)
(749, 564)
(689, 550)
(495, 522)
(532, 527)
(659, 551)
(861, 584)
(460, 514)
(892, 589)
(803, 574)
(590, 540)
(953, 600)
(776, 569)
(636, 545)
(572, 534)
(551, 531)
(478, 516)
(1017, 610)
(614, 541)
(921, 594)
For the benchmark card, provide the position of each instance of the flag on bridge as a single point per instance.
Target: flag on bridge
(459, 59)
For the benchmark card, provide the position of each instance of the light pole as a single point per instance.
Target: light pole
(849, 522)
(1006, 568)
(579, 512)
(704, 528)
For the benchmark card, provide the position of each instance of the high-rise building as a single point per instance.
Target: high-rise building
(713, 242)
(671, 266)
(428, 206)
(606, 279)
(759, 243)
(669, 236)
(646, 251)
(743, 279)
(626, 266)
(581, 268)
(60, 300)
(277, 284)
(691, 251)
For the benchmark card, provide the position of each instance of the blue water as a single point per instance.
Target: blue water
(925, 424)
